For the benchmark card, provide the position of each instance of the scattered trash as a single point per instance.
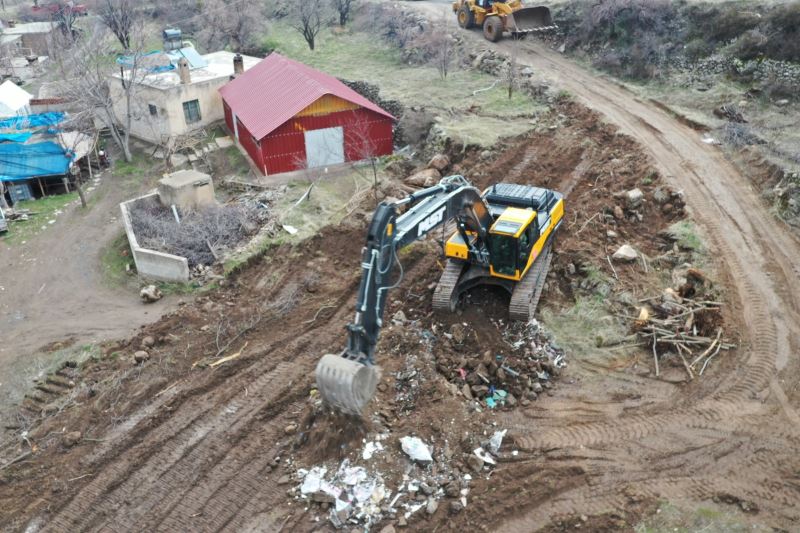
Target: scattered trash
(484, 456)
(370, 449)
(416, 449)
(291, 230)
(496, 441)
(354, 495)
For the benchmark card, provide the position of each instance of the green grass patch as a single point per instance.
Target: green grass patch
(119, 269)
(685, 233)
(586, 330)
(358, 56)
(43, 211)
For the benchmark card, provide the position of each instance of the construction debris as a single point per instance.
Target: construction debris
(416, 449)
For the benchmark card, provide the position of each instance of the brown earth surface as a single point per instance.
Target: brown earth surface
(175, 445)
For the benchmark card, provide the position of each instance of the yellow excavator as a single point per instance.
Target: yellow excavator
(499, 16)
(503, 237)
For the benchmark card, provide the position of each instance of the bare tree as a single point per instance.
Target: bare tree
(308, 17)
(437, 45)
(343, 7)
(361, 139)
(226, 26)
(119, 16)
(89, 81)
(512, 73)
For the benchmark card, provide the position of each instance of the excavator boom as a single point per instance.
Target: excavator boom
(347, 381)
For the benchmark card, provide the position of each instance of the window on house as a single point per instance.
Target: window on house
(153, 110)
(191, 110)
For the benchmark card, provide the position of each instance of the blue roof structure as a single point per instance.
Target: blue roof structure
(38, 120)
(19, 162)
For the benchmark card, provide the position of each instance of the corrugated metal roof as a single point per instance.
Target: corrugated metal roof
(278, 88)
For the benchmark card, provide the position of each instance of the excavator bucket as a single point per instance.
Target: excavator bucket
(529, 19)
(346, 385)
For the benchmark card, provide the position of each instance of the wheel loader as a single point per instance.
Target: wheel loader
(499, 16)
(503, 237)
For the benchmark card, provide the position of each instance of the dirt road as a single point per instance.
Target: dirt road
(54, 289)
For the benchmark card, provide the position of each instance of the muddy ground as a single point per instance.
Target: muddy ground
(173, 444)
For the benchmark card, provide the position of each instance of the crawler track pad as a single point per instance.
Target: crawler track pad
(346, 385)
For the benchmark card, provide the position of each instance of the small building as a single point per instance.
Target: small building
(14, 100)
(178, 93)
(288, 116)
(35, 38)
(187, 189)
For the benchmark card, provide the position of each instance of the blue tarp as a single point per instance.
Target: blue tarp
(32, 121)
(143, 61)
(19, 162)
(15, 137)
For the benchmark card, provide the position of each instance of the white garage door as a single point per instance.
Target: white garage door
(324, 147)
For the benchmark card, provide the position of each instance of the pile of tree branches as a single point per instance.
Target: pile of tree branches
(689, 328)
(201, 236)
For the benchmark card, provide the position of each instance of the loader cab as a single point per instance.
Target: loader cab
(511, 243)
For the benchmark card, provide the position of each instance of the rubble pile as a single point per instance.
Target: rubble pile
(355, 495)
(517, 374)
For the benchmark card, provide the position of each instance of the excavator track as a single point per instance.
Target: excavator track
(526, 294)
(445, 296)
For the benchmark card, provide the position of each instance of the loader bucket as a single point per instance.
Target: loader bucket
(346, 385)
(529, 19)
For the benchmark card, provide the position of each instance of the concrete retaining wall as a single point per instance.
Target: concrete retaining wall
(150, 263)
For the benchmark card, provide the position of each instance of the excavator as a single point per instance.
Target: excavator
(503, 236)
(499, 16)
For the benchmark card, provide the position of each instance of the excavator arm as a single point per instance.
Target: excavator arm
(347, 381)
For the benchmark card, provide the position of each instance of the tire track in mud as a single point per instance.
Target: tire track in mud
(159, 473)
(128, 490)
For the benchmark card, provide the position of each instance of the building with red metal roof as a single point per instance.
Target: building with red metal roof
(288, 116)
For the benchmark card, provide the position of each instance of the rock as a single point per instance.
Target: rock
(571, 269)
(148, 342)
(150, 294)
(511, 401)
(666, 208)
(432, 506)
(537, 387)
(625, 254)
(486, 154)
(141, 356)
(322, 497)
(402, 522)
(205, 327)
(782, 103)
(527, 71)
(209, 307)
(475, 463)
(387, 529)
(284, 479)
(661, 195)
(439, 162)
(452, 490)
(611, 234)
(459, 333)
(426, 489)
(500, 375)
(465, 390)
(634, 198)
(72, 438)
(50, 409)
(456, 507)
(424, 178)
(619, 214)
(399, 317)
(290, 429)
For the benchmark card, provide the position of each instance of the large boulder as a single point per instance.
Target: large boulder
(424, 178)
(439, 162)
(625, 254)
